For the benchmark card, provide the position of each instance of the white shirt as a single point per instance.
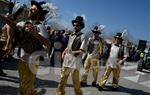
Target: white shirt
(113, 57)
(70, 60)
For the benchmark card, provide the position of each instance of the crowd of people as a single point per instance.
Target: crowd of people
(32, 35)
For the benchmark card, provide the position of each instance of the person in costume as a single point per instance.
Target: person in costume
(72, 58)
(95, 51)
(8, 43)
(33, 37)
(116, 56)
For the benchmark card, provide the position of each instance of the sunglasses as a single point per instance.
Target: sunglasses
(76, 25)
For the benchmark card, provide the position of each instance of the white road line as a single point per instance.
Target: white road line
(133, 78)
(57, 71)
(140, 73)
(145, 83)
(129, 67)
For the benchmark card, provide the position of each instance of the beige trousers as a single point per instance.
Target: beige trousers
(116, 75)
(75, 78)
(27, 79)
(95, 68)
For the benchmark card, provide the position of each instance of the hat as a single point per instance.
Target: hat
(15, 9)
(39, 6)
(79, 20)
(118, 36)
(96, 30)
(11, 5)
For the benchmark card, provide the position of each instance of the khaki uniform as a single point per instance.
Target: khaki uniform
(95, 68)
(93, 59)
(71, 65)
(116, 75)
(64, 77)
(112, 65)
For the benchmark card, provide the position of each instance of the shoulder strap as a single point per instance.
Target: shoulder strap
(100, 47)
(121, 52)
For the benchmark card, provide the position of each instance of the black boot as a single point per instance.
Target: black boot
(100, 88)
(1, 70)
(83, 84)
(114, 88)
(3, 74)
(94, 84)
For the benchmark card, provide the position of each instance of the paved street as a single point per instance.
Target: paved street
(132, 82)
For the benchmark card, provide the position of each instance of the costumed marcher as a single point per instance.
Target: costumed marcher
(95, 50)
(65, 37)
(72, 58)
(56, 43)
(116, 56)
(33, 37)
(8, 43)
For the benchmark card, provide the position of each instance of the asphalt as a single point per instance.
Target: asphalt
(47, 83)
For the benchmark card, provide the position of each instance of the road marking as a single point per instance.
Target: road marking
(129, 63)
(129, 67)
(146, 83)
(57, 71)
(140, 73)
(133, 78)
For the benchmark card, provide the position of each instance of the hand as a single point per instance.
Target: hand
(120, 62)
(63, 55)
(7, 47)
(67, 50)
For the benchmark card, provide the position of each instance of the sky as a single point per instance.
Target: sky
(116, 15)
(134, 15)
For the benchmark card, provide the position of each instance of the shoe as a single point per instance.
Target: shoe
(94, 84)
(3, 74)
(83, 84)
(100, 88)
